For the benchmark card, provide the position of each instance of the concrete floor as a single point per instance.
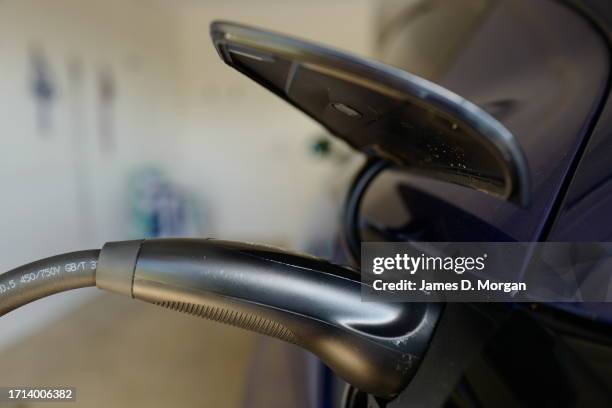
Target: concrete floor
(123, 353)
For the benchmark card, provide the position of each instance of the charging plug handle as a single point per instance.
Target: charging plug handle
(375, 346)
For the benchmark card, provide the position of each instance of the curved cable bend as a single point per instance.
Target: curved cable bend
(352, 235)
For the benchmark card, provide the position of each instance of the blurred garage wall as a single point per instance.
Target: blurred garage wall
(47, 169)
(62, 185)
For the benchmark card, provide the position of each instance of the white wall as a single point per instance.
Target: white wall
(40, 207)
(37, 172)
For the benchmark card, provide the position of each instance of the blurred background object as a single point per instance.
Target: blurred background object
(158, 208)
(425, 37)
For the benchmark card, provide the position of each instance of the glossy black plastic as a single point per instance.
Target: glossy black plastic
(304, 300)
(383, 111)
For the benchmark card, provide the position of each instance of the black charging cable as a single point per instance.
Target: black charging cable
(352, 228)
(46, 277)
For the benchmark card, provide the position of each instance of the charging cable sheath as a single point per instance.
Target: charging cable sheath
(46, 277)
